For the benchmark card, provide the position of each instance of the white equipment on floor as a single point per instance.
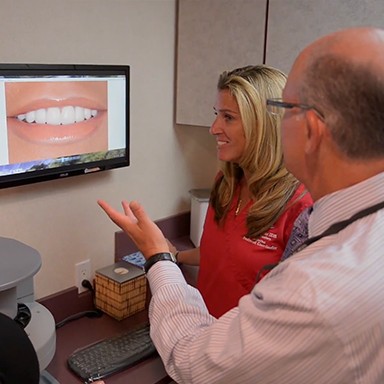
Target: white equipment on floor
(18, 264)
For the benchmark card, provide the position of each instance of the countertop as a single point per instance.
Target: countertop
(84, 331)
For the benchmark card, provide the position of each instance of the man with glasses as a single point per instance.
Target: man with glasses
(318, 317)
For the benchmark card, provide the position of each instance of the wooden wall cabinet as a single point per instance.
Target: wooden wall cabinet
(216, 35)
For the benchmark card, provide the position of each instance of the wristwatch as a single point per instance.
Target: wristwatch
(158, 257)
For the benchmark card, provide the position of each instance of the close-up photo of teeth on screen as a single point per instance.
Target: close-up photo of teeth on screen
(48, 121)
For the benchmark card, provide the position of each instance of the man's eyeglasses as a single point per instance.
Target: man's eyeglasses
(274, 106)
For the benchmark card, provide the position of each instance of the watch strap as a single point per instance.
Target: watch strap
(158, 257)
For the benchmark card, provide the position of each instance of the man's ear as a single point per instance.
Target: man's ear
(315, 132)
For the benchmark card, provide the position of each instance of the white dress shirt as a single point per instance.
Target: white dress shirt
(317, 318)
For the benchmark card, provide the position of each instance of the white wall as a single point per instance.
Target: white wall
(61, 218)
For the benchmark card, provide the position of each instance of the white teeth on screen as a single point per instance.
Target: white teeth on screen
(58, 116)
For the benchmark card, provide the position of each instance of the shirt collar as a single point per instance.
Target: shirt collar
(342, 204)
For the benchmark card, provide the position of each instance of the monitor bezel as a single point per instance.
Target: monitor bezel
(12, 70)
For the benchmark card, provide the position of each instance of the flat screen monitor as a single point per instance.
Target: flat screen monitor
(60, 120)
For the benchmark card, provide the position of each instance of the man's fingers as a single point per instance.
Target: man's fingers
(107, 208)
(139, 212)
(138, 226)
(128, 212)
(118, 218)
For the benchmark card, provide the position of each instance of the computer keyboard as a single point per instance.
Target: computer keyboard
(110, 355)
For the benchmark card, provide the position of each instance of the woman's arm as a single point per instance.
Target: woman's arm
(189, 256)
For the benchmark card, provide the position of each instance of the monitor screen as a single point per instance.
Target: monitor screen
(62, 120)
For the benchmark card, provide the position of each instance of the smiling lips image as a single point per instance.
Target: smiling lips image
(48, 124)
(55, 113)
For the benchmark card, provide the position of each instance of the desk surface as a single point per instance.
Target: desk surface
(84, 331)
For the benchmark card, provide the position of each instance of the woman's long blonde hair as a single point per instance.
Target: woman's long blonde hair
(271, 186)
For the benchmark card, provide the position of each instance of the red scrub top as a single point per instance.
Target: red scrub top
(230, 262)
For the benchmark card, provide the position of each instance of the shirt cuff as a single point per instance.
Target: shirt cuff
(164, 273)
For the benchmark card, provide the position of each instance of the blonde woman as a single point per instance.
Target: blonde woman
(254, 200)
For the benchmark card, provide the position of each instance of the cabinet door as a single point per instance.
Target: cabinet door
(294, 24)
(213, 36)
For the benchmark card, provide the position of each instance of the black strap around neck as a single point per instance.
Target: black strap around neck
(337, 227)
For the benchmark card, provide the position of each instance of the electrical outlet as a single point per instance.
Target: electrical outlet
(82, 272)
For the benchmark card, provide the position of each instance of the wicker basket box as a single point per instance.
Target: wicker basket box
(120, 290)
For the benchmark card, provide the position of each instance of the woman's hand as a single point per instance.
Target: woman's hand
(138, 226)
(171, 247)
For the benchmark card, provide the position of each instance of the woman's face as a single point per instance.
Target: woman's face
(228, 128)
(55, 119)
